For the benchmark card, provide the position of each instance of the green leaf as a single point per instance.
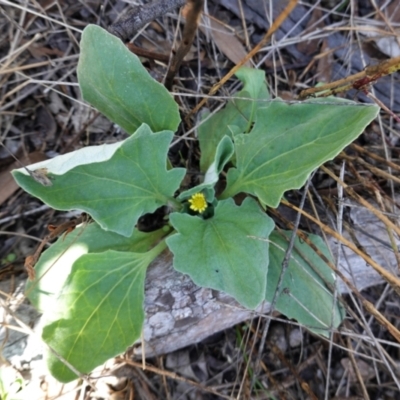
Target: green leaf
(114, 81)
(116, 192)
(288, 142)
(55, 264)
(222, 156)
(223, 252)
(303, 294)
(99, 312)
(237, 113)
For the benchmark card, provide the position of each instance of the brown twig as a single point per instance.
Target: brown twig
(141, 52)
(356, 369)
(374, 156)
(141, 15)
(359, 81)
(193, 13)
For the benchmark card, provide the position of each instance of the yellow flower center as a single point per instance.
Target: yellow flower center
(198, 202)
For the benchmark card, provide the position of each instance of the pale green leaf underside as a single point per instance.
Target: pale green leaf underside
(238, 113)
(303, 293)
(222, 156)
(61, 164)
(55, 264)
(116, 192)
(114, 81)
(288, 142)
(218, 253)
(99, 312)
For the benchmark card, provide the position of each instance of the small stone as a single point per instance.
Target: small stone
(295, 337)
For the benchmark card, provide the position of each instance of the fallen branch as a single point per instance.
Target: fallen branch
(141, 15)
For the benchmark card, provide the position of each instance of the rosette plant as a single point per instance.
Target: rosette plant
(90, 284)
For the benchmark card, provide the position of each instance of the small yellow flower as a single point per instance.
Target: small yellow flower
(198, 202)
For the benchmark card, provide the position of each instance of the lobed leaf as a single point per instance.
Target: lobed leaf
(114, 81)
(223, 252)
(116, 192)
(288, 142)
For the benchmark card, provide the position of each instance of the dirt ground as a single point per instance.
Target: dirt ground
(42, 115)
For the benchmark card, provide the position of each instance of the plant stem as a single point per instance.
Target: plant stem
(175, 204)
(194, 9)
(158, 249)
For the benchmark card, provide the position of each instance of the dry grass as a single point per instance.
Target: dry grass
(42, 114)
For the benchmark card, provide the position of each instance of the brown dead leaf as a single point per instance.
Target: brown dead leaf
(38, 51)
(7, 184)
(156, 45)
(226, 41)
(389, 44)
(311, 47)
(367, 371)
(45, 123)
(324, 64)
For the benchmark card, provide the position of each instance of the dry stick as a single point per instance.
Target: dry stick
(356, 369)
(357, 81)
(14, 54)
(377, 191)
(367, 305)
(376, 171)
(38, 14)
(274, 27)
(138, 17)
(335, 292)
(365, 203)
(195, 7)
(374, 156)
(382, 105)
(24, 67)
(244, 25)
